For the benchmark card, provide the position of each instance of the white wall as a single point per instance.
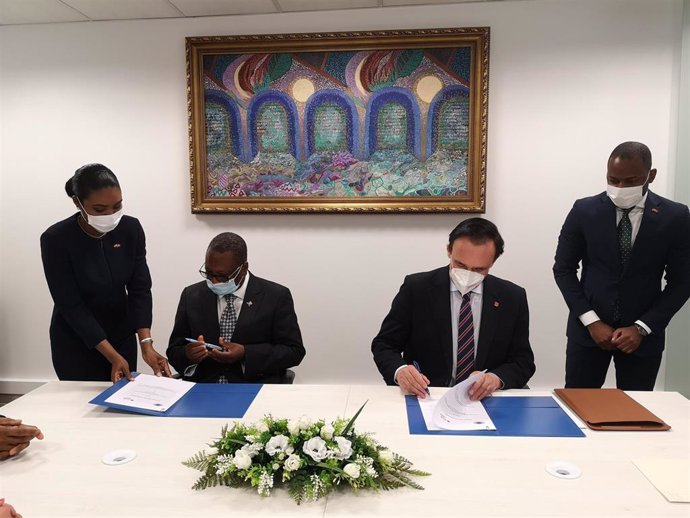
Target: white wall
(568, 81)
(678, 355)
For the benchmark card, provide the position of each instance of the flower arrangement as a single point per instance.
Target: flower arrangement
(311, 458)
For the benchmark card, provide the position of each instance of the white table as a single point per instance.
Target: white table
(62, 476)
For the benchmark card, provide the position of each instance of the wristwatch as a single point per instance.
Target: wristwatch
(643, 332)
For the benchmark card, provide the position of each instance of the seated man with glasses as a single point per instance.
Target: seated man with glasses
(234, 327)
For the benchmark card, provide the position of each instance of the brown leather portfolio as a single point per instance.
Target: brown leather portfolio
(610, 409)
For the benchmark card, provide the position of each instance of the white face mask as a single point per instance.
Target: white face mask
(465, 280)
(103, 224)
(626, 197)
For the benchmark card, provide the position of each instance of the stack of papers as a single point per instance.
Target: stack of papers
(455, 410)
(149, 392)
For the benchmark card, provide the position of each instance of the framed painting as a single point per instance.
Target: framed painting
(383, 121)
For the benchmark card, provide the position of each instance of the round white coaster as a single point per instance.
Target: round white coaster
(117, 457)
(563, 470)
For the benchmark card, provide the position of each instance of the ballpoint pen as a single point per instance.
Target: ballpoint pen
(416, 366)
(208, 346)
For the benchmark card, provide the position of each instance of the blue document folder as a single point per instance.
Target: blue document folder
(514, 416)
(226, 400)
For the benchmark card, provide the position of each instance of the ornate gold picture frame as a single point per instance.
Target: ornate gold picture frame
(382, 121)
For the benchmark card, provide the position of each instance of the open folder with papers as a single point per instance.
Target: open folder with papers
(226, 400)
(513, 416)
(610, 409)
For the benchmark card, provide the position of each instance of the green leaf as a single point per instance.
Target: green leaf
(407, 62)
(329, 467)
(278, 66)
(351, 423)
(199, 461)
(405, 480)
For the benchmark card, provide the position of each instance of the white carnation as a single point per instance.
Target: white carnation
(352, 470)
(386, 456)
(305, 422)
(293, 426)
(344, 449)
(242, 459)
(276, 444)
(252, 449)
(316, 448)
(327, 431)
(292, 463)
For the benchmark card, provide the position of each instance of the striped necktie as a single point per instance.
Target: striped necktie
(464, 362)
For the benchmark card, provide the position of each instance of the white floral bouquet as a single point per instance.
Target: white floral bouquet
(310, 458)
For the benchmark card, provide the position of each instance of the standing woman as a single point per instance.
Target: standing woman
(95, 265)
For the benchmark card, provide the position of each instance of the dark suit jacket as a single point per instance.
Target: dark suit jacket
(101, 289)
(419, 327)
(267, 328)
(662, 244)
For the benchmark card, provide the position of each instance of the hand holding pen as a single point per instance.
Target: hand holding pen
(413, 381)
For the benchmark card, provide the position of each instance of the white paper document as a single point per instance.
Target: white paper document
(670, 476)
(455, 410)
(151, 392)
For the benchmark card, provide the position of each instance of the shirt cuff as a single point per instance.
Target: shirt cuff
(589, 318)
(645, 326)
(395, 375)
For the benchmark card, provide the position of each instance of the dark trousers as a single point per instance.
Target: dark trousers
(586, 367)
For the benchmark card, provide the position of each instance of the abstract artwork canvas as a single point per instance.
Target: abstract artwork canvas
(386, 121)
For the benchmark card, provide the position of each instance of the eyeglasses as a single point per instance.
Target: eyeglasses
(220, 278)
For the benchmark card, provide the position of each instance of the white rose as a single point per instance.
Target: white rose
(352, 470)
(293, 426)
(327, 431)
(261, 427)
(276, 444)
(316, 448)
(344, 449)
(386, 456)
(242, 460)
(305, 422)
(292, 463)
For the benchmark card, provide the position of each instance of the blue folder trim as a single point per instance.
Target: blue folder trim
(514, 416)
(225, 400)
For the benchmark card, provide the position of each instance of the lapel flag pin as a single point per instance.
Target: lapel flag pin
(655, 210)
(116, 245)
(496, 303)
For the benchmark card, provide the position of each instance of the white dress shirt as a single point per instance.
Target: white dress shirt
(635, 216)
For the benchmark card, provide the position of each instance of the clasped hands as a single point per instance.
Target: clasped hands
(232, 352)
(15, 436)
(414, 382)
(625, 339)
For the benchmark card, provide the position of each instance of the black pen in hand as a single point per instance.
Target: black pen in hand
(416, 366)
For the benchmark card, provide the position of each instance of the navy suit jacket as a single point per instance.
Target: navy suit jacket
(419, 328)
(267, 327)
(662, 245)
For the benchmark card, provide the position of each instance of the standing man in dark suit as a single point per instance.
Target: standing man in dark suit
(625, 238)
(252, 319)
(456, 320)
